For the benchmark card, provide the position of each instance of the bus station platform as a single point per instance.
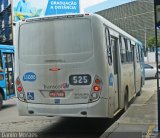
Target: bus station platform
(140, 120)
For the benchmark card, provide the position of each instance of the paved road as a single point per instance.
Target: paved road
(58, 127)
(10, 121)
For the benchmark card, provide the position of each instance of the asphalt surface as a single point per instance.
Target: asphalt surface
(56, 127)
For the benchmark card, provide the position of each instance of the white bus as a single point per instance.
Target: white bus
(75, 66)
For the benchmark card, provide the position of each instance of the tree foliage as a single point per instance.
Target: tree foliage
(152, 42)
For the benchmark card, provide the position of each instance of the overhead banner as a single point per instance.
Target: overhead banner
(157, 8)
(23, 9)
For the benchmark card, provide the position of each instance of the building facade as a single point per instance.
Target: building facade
(136, 18)
(5, 22)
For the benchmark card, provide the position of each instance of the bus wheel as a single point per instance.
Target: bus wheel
(126, 104)
(1, 100)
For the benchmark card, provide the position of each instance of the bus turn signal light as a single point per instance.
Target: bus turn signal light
(18, 82)
(97, 81)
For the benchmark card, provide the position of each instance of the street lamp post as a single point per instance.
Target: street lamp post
(156, 4)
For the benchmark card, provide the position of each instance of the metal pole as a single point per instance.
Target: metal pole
(145, 43)
(158, 88)
(145, 37)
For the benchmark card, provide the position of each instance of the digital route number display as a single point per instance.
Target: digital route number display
(80, 79)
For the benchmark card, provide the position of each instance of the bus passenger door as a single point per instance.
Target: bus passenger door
(9, 73)
(2, 73)
(116, 70)
(137, 69)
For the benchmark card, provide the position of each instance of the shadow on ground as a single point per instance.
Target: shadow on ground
(6, 106)
(78, 127)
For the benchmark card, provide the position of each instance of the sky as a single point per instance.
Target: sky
(102, 4)
(88, 3)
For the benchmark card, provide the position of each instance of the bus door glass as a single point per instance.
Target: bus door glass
(114, 45)
(2, 74)
(138, 69)
(8, 67)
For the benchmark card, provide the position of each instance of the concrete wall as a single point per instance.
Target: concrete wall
(150, 58)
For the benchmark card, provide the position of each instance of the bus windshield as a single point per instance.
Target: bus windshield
(56, 37)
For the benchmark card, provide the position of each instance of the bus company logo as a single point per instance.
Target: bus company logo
(29, 76)
(59, 86)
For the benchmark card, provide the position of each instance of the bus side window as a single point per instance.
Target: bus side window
(1, 66)
(129, 51)
(137, 52)
(114, 44)
(108, 46)
(140, 53)
(126, 49)
(122, 50)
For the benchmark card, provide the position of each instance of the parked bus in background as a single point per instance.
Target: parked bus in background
(7, 90)
(75, 65)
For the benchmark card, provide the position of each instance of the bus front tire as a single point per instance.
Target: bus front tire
(1, 100)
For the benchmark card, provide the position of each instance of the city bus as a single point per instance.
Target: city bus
(78, 65)
(7, 89)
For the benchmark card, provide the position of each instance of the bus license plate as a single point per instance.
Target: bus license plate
(57, 94)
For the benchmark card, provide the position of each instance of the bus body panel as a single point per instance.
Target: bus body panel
(74, 47)
(49, 81)
(49, 85)
(95, 109)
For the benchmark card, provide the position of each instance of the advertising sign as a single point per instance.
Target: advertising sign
(23, 9)
(62, 7)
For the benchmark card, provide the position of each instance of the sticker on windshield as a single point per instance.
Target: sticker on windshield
(29, 76)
